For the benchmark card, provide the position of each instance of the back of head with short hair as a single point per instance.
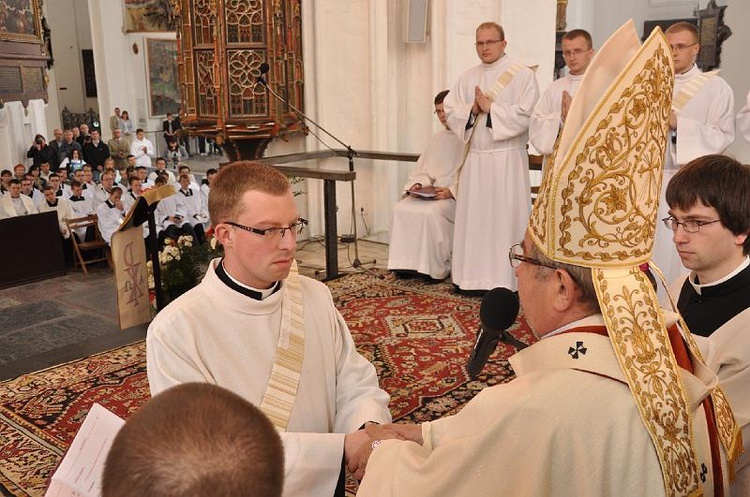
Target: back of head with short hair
(579, 33)
(195, 440)
(440, 97)
(716, 181)
(231, 183)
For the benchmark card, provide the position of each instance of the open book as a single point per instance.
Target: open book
(80, 472)
(424, 192)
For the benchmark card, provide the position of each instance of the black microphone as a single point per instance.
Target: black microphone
(264, 68)
(497, 313)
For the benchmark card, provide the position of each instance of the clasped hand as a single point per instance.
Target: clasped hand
(358, 445)
(481, 102)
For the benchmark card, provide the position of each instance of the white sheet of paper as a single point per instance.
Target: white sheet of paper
(80, 472)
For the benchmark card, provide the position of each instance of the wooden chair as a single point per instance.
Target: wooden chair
(97, 244)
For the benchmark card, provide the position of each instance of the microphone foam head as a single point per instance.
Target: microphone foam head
(264, 67)
(499, 309)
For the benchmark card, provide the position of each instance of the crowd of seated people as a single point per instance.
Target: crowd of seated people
(60, 177)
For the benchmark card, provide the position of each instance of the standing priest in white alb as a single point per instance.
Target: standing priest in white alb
(257, 327)
(552, 109)
(489, 109)
(422, 223)
(701, 123)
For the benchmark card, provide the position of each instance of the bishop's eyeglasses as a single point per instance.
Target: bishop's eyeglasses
(274, 233)
(516, 257)
(688, 226)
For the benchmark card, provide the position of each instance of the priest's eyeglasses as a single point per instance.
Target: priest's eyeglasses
(680, 47)
(488, 43)
(573, 53)
(516, 257)
(272, 233)
(688, 226)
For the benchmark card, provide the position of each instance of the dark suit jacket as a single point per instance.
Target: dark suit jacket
(96, 155)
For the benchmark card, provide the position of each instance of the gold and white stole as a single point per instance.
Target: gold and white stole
(691, 88)
(492, 93)
(290, 351)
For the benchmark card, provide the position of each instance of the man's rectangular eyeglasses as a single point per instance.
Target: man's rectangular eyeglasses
(680, 47)
(688, 226)
(488, 43)
(571, 53)
(269, 233)
(516, 257)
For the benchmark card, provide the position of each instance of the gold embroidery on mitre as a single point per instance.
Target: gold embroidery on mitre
(597, 206)
(608, 211)
(641, 343)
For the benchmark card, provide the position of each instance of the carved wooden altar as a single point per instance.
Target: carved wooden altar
(221, 46)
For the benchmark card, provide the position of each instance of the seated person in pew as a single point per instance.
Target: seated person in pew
(61, 206)
(28, 189)
(171, 216)
(422, 222)
(191, 197)
(111, 213)
(14, 203)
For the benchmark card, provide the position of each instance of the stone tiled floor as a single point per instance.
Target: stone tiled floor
(50, 322)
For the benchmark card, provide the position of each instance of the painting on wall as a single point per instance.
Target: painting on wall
(148, 16)
(163, 84)
(20, 20)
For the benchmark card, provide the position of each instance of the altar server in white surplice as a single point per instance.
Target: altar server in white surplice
(422, 227)
(702, 123)
(552, 109)
(61, 206)
(110, 214)
(490, 108)
(257, 327)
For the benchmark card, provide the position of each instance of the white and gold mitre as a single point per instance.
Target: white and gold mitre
(597, 205)
(597, 208)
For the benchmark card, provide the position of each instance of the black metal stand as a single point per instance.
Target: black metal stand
(351, 153)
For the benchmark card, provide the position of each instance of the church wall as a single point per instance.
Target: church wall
(121, 73)
(69, 22)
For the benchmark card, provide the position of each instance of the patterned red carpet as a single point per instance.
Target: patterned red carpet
(418, 336)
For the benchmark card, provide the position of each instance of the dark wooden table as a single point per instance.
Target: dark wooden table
(329, 177)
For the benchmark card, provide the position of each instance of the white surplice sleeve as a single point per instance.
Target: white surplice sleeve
(696, 137)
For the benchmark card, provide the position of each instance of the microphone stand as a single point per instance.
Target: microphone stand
(350, 154)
